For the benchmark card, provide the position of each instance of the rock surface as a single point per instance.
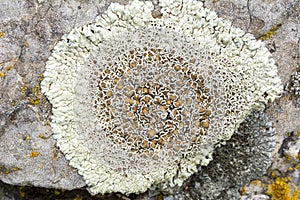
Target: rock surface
(30, 29)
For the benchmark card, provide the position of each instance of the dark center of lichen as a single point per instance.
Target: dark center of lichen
(153, 100)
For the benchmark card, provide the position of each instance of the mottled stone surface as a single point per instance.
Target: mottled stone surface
(32, 28)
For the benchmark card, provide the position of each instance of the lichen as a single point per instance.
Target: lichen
(8, 170)
(32, 94)
(293, 86)
(34, 154)
(269, 34)
(245, 157)
(280, 189)
(139, 101)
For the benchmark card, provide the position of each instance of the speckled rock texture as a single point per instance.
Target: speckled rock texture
(28, 155)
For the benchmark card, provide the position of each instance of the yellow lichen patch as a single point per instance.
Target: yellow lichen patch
(34, 97)
(41, 166)
(256, 182)
(280, 189)
(160, 197)
(288, 157)
(78, 197)
(14, 102)
(272, 173)
(56, 192)
(24, 89)
(7, 68)
(36, 90)
(4, 170)
(34, 101)
(268, 35)
(41, 77)
(21, 192)
(41, 135)
(2, 34)
(34, 154)
(298, 133)
(243, 190)
(295, 195)
(2, 75)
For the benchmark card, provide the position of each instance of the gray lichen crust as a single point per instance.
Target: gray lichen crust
(245, 157)
(139, 102)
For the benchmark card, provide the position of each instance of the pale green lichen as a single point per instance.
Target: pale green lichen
(139, 101)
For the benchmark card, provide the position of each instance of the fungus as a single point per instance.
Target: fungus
(139, 102)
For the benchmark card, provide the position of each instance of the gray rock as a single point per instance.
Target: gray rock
(31, 29)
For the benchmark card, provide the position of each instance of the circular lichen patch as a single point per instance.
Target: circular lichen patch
(140, 101)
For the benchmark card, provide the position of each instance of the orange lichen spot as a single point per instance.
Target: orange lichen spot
(291, 169)
(34, 154)
(2, 34)
(27, 137)
(280, 189)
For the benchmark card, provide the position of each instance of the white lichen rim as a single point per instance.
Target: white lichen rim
(192, 19)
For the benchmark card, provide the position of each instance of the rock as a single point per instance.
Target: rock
(29, 30)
